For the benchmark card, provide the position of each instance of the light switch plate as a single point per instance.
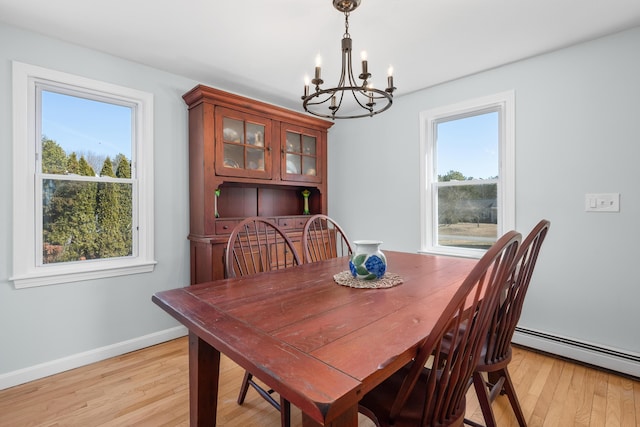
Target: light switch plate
(602, 202)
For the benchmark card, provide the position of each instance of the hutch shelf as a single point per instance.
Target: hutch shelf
(248, 158)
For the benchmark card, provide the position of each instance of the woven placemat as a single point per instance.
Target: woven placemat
(345, 278)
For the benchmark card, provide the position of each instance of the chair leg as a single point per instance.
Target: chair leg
(244, 387)
(483, 397)
(285, 413)
(283, 406)
(496, 388)
(513, 398)
(494, 377)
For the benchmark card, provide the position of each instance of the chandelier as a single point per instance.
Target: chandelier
(348, 100)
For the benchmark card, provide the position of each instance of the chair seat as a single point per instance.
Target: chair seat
(484, 364)
(495, 364)
(379, 402)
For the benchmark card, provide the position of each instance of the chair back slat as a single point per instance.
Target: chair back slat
(323, 238)
(453, 348)
(257, 245)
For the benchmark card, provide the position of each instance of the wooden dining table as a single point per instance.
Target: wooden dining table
(319, 344)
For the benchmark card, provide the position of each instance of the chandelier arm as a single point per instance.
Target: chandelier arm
(355, 96)
(337, 107)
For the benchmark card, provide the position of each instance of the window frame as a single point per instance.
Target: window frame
(504, 103)
(28, 270)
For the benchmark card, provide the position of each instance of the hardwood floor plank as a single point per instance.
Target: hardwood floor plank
(627, 405)
(583, 391)
(614, 398)
(599, 403)
(565, 402)
(149, 387)
(524, 376)
(636, 399)
(548, 379)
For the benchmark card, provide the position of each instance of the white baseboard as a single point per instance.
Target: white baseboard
(42, 370)
(593, 354)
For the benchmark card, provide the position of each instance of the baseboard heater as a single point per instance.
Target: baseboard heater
(627, 363)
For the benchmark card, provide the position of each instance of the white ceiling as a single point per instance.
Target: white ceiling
(263, 48)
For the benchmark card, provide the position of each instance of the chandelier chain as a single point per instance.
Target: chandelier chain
(346, 26)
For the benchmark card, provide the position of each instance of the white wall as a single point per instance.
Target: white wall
(577, 132)
(48, 328)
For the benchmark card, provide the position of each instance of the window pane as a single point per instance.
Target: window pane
(255, 134)
(309, 145)
(467, 149)
(468, 215)
(233, 130)
(469, 146)
(309, 166)
(91, 129)
(293, 142)
(255, 158)
(84, 220)
(233, 156)
(293, 164)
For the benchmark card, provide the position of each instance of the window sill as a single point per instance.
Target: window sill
(53, 275)
(455, 252)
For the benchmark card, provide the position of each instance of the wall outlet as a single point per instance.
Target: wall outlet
(602, 202)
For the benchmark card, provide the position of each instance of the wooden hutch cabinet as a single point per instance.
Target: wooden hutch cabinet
(248, 158)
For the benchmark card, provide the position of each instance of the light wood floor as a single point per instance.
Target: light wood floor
(149, 388)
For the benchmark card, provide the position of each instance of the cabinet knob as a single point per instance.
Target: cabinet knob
(225, 227)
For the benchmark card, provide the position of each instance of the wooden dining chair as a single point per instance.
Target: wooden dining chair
(323, 238)
(257, 245)
(496, 353)
(431, 389)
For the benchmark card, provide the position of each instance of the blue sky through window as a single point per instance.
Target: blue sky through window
(469, 145)
(83, 125)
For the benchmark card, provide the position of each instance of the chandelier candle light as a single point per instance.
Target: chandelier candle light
(329, 102)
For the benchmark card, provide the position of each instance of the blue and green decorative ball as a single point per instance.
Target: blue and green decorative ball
(367, 267)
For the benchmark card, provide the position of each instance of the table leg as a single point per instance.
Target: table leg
(204, 371)
(348, 418)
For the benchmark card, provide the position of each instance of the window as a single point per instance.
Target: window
(467, 165)
(83, 178)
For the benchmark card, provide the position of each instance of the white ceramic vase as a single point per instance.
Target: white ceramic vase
(367, 261)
